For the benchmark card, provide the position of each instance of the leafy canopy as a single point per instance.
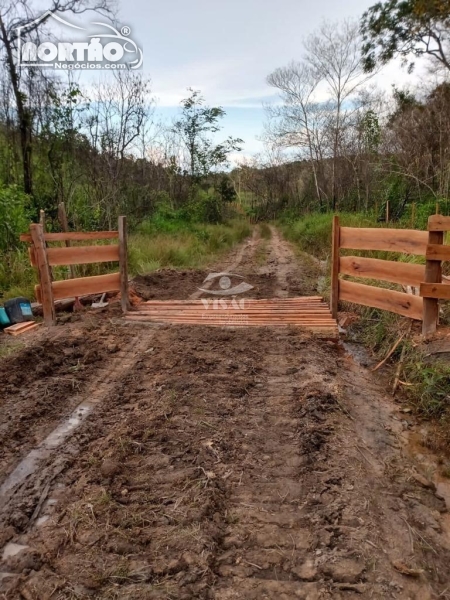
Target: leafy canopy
(406, 28)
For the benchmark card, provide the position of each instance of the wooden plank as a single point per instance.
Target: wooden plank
(438, 252)
(83, 286)
(78, 255)
(74, 236)
(384, 270)
(367, 295)
(433, 274)
(438, 223)
(408, 241)
(435, 290)
(18, 327)
(40, 252)
(29, 326)
(335, 243)
(123, 264)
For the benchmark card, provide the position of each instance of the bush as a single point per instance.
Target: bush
(14, 216)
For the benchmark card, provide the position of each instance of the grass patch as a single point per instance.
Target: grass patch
(187, 246)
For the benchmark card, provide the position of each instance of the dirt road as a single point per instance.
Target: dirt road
(191, 462)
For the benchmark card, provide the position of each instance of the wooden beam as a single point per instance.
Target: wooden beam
(75, 236)
(438, 252)
(435, 290)
(407, 241)
(82, 286)
(438, 223)
(384, 270)
(335, 243)
(40, 253)
(78, 255)
(123, 264)
(367, 295)
(433, 274)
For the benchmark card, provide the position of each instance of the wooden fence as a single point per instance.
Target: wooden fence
(44, 257)
(428, 277)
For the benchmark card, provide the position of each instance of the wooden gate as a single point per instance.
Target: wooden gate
(426, 278)
(44, 258)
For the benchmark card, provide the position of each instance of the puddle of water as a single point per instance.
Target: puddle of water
(30, 463)
(42, 521)
(12, 550)
(359, 353)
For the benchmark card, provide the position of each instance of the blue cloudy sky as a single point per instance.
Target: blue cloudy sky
(226, 49)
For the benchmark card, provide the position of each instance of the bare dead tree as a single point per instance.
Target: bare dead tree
(334, 54)
(297, 121)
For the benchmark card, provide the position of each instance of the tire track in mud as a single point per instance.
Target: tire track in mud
(40, 467)
(231, 465)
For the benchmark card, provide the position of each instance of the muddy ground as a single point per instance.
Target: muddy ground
(196, 462)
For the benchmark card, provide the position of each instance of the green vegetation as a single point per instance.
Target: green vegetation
(158, 243)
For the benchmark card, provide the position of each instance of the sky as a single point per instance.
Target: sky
(226, 49)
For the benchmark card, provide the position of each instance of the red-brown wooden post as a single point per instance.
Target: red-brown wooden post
(433, 274)
(123, 262)
(335, 243)
(40, 254)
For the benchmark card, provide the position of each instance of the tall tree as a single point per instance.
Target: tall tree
(19, 13)
(297, 121)
(333, 52)
(405, 28)
(196, 126)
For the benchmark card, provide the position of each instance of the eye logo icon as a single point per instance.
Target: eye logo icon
(225, 285)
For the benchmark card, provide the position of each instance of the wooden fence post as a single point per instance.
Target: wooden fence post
(123, 262)
(62, 217)
(335, 243)
(413, 215)
(387, 212)
(433, 274)
(40, 253)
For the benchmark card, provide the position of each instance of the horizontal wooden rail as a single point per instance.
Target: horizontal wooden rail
(74, 236)
(82, 286)
(384, 270)
(407, 241)
(438, 252)
(367, 295)
(435, 290)
(81, 255)
(438, 223)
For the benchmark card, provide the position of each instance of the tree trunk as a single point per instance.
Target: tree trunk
(23, 115)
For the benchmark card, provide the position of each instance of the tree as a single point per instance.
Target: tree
(298, 120)
(401, 28)
(195, 127)
(18, 13)
(334, 54)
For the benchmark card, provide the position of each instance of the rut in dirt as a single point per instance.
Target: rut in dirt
(231, 464)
